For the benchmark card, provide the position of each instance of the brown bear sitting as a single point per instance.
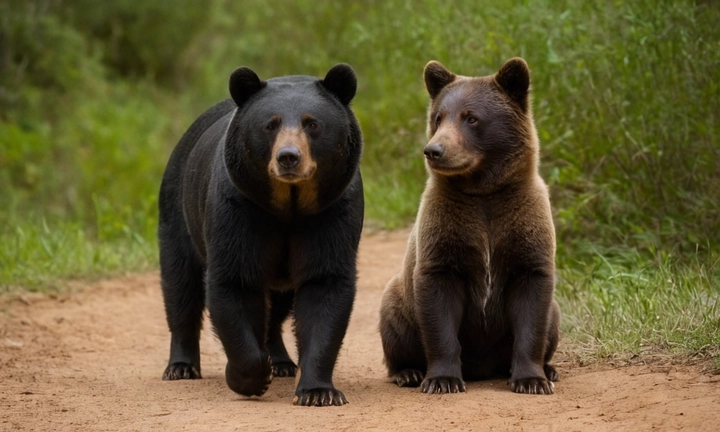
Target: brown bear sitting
(475, 297)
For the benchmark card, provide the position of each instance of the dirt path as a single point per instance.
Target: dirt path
(91, 360)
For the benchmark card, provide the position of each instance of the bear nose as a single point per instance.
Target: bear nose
(288, 157)
(434, 151)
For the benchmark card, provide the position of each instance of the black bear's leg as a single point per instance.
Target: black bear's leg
(239, 315)
(439, 305)
(404, 356)
(322, 312)
(181, 277)
(280, 305)
(530, 316)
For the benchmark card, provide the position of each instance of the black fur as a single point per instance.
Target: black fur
(226, 245)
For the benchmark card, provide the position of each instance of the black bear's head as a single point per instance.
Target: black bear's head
(293, 144)
(480, 127)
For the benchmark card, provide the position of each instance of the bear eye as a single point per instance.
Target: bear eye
(273, 124)
(310, 124)
(438, 119)
(471, 119)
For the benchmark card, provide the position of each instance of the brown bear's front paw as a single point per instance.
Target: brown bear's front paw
(532, 386)
(181, 370)
(442, 384)
(284, 369)
(550, 373)
(320, 397)
(249, 381)
(408, 378)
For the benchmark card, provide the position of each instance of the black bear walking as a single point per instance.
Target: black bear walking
(261, 209)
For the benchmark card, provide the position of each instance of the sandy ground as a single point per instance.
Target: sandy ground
(91, 360)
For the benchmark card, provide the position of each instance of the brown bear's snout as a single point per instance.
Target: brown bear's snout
(288, 157)
(434, 151)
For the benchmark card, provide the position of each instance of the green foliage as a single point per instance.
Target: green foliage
(40, 57)
(635, 162)
(618, 301)
(93, 95)
(141, 39)
(82, 193)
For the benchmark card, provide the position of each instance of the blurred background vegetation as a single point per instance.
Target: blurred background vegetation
(94, 95)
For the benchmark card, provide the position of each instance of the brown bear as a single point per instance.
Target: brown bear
(475, 297)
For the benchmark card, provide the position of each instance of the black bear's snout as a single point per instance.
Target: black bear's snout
(288, 157)
(434, 151)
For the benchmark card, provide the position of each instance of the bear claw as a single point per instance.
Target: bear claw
(181, 370)
(532, 386)
(320, 397)
(550, 373)
(284, 369)
(408, 378)
(440, 385)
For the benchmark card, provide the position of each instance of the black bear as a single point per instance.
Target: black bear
(261, 210)
(475, 297)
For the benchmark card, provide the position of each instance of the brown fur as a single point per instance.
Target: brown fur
(475, 297)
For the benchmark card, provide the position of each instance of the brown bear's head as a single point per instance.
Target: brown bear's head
(480, 127)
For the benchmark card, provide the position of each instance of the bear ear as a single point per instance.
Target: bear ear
(436, 78)
(514, 78)
(342, 82)
(243, 84)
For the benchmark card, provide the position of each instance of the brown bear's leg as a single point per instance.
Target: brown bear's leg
(553, 339)
(404, 356)
(530, 318)
(439, 303)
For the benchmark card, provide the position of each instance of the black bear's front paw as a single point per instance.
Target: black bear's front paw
(320, 397)
(249, 381)
(181, 370)
(532, 386)
(284, 369)
(408, 378)
(443, 385)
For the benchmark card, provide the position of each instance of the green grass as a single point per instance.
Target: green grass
(621, 302)
(42, 255)
(625, 102)
(84, 196)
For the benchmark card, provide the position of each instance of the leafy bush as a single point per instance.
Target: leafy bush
(40, 58)
(141, 39)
